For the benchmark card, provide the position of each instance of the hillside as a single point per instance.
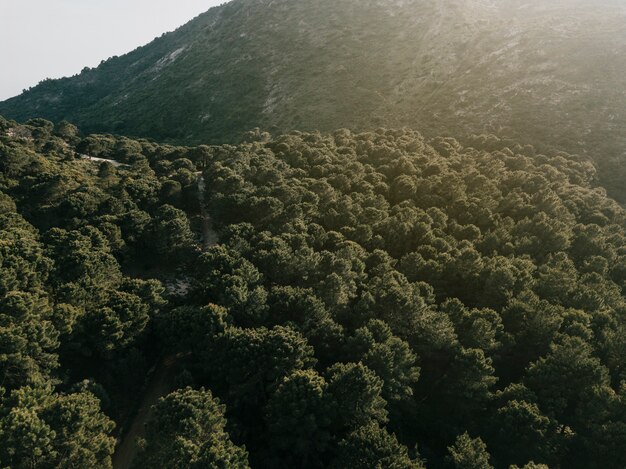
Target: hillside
(374, 299)
(551, 74)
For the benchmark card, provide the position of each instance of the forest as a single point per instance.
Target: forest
(371, 300)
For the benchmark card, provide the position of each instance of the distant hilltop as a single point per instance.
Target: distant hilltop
(551, 74)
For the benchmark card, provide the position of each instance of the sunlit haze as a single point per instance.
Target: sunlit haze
(56, 38)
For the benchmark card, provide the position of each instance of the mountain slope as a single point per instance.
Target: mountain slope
(548, 73)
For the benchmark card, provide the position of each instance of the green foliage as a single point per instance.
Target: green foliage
(170, 231)
(363, 296)
(68, 229)
(191, 327)
(42, 429)
(226, 278)
(523, 433)
(187, 431)
(29, 340)
(468, 453)
(530, 465)
(569, 362)
(373, 447)
(249, 363)
(299, 415)
(389, 357)
(356, 392)
(422, 296)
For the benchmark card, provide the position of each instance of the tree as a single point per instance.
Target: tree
(531, 465)
(192, 327)
(201, 155)
(533, 324)
(246, 365)
(372, 447)
(170, 231)
(84, 266)
(475, 328)
(389, 357)
(299, 417)
(523, 433)
(224, 277)
(24, 265)
(187, 430)
(68, 132)
(111, 326)
(40, 128)
(171, 192)
(462, 393)
(82, 431)
(28, 340)
(301, 309)
(7, 204)
(565, 379)
(394, 300)
(27, 439)
(356, 394)
(41, 429)
(468, 453)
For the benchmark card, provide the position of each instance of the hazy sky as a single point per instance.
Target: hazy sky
(55, 38)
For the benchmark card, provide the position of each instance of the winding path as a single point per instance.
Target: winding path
(210, 236)
(159, 384)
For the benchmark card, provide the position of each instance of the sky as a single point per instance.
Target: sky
(56, 38)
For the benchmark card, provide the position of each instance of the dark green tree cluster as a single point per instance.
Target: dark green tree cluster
(376, 300)
(388, 298)
(73, 309)
(187, 431)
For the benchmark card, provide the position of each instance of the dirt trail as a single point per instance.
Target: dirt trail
(158, 386)
(210, 236)
(96, 159)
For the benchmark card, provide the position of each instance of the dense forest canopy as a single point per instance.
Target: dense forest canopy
(376, 299)
(550, 73)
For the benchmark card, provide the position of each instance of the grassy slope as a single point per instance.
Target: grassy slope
(549, 73)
